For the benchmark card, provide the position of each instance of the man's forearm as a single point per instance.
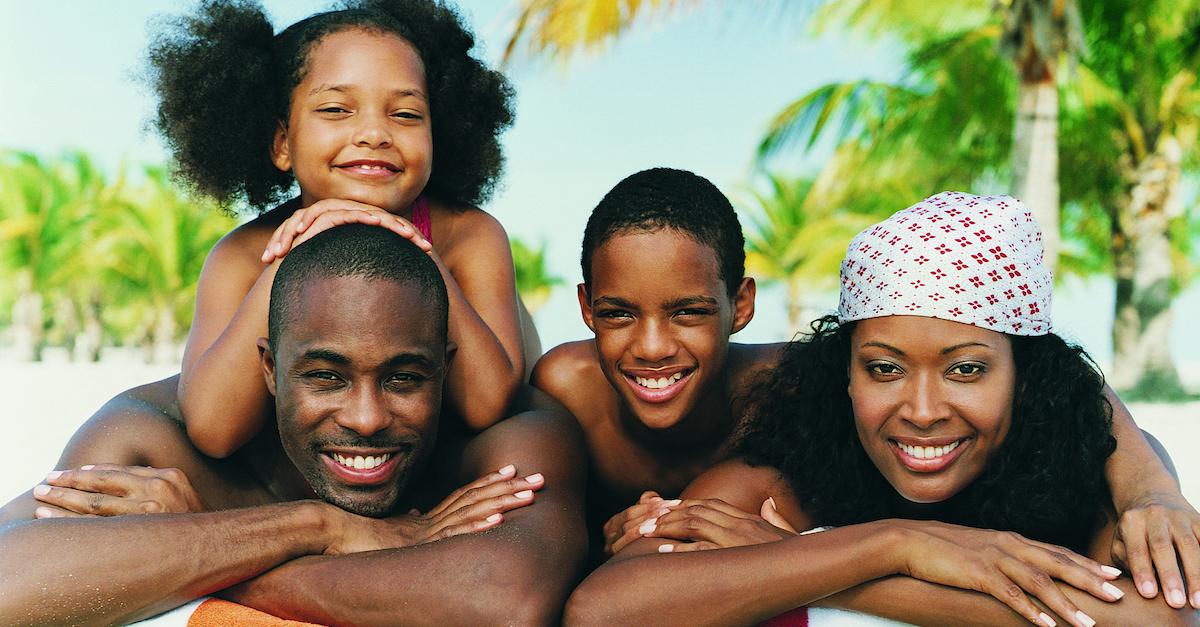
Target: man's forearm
(1134, 469)
(111, 570)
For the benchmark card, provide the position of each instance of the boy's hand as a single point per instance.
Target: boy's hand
(477, 506)
(331, 212)
(112, 490)
(1159, 533)
(623, 527)
(714, 524)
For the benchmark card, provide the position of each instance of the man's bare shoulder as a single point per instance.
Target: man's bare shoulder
(571, 374)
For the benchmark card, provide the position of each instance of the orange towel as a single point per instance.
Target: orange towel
(222, 613)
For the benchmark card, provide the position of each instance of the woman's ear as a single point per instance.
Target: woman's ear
(280, 153)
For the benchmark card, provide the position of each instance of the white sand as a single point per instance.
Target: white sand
(45, 403)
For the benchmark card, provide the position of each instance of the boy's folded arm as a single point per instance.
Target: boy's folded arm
(520, 571)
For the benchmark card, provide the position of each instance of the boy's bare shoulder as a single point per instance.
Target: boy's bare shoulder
(571, 374)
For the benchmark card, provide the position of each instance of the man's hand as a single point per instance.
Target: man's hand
(477, 506)
(624, 526)
(113, 490)
(1158, 532)
(698, 525)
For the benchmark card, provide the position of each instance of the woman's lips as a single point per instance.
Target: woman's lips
(658, 389)
(920, 457)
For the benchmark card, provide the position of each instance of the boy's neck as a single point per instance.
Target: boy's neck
(707, 428)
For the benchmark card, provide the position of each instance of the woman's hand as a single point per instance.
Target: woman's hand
(623, 527)
(477, 506)
(324, 214)
(1158, 533)
(112, 490)
(698, 525)
(1005, 565)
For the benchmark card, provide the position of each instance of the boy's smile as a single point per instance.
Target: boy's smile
(662, 336)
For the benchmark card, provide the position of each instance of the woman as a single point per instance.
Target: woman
(936, 423)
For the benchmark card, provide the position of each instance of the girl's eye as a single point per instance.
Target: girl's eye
(332, 110)
(407, 115)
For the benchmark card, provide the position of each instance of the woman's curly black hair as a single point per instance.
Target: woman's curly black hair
(224, 80)
(1045, 481)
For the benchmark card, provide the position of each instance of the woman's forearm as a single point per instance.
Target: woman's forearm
(738, 585)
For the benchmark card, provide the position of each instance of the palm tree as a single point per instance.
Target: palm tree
(153, 246)
(534, 282)
(1131, 130)
(46, 230)
(795, 237)
(559, 28)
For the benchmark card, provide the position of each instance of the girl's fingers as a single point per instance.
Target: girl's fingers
(1137, 555)
(685, 547)
(50, 511)
(1189, 556)
(483, 510)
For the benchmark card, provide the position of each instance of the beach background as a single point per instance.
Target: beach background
(693, 88)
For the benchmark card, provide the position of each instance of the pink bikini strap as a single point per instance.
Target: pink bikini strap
(420, 218)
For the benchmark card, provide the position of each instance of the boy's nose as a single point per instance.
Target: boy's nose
(654, 342)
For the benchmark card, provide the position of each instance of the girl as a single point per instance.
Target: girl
(379, 115)
(935, 408)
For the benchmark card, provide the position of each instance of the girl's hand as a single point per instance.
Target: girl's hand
(475, 507)
(623, 527)
(1005, 565)
(331, 212)
(699, 525)
(112, 490)
(1159, 533)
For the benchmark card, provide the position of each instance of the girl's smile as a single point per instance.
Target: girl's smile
(359, 127)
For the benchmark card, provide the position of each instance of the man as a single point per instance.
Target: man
(356, 357)
(660, 392)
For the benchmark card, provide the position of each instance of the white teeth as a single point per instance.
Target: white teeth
(358, 462)
(660, 383)
(928, 452)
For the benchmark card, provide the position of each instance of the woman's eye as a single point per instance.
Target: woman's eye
(967, 370)
(884, 368)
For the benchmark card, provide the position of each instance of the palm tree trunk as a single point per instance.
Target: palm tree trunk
(27, 320)
(1035, 158)
(1144, 295)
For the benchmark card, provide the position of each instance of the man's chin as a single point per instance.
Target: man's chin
(373, 501)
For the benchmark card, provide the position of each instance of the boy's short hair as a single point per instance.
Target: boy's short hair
(665, 198)
(354, 250)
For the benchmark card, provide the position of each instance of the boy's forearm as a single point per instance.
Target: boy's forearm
(113, 570)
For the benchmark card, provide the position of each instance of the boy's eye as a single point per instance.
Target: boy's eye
(694, 312)
(614, 314)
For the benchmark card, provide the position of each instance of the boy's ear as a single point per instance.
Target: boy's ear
(743, 304)
(280, 155)
(267, 359)
(585, 305)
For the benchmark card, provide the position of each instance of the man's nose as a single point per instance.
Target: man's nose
(367, 413)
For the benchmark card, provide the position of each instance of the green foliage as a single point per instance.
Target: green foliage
(534, 281)
(111, 252)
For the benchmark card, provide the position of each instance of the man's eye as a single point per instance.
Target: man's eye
(323, 377)
(404, 379)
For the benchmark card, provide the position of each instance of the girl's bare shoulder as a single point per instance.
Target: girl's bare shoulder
(243, 246)
(464, 228)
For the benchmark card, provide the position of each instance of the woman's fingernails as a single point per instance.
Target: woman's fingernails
(672, 502)
(1109, 570)
(494, 518)
(535, 478)
(648, 527)
(41, 490)
(53, 474)
(1175, 597)
(1084, 619)
(1046, 620)
(524, 494)
(667, 548)
(1146, 588)
(1196, 599)
(1113, 591)
(44, 512)
(278, 248)
(508, 471)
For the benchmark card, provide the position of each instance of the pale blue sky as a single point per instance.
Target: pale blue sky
(690, 90)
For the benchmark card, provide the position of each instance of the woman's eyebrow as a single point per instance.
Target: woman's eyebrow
(886, 347)
(951, 349)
